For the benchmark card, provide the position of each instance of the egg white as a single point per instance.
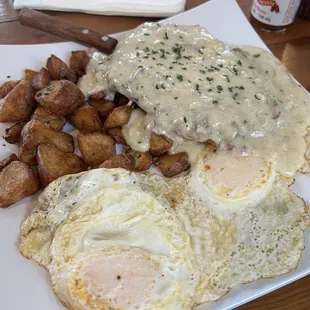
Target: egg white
(195, 241)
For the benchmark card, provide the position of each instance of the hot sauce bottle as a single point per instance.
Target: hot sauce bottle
(273, 15)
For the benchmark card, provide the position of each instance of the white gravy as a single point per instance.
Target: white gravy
(137, 131)
(194, 88)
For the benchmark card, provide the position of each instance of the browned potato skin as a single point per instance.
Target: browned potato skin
(119, 117)
(172, 165)
(7, 87)
(53, 164)
(103, 107)
(41, 79)
(36, 133)
(17, 181)
(8, 160)
(54, 121)
(60, 70)
(118, 161)
(18, 105)
(98, 96)
(86, 119)
(12, 134)
(30, 74)
(117, 135)
(159, 144)
(120, 100)
(141, 160)
(95, 148)
(60, 97)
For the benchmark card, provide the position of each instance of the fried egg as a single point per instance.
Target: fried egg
(110, 241)
(246, 225)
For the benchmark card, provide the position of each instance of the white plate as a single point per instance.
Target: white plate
(23, 284)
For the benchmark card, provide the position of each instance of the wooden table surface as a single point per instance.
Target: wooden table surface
(291, 47)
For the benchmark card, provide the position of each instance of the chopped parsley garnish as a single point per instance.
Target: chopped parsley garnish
(239, 62)
(251, 67)
(210, 79)
(202, 71)
(241, 87)
(220, 65)
(219, 88)
(256, 55)
(170, 67)
(197, 87)
(185, 119)
(157, 87)
(180, 77)
(227, 78)
(166, 36)
(257, 97)
(175, 98)
(146, 49)
(215, 102)
(235, 70)
(215, 68)
(146, 34)
(235, 95)
(183, 68)
(163, 86)
(137, 53)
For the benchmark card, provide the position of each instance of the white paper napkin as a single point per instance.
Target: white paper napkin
(155, 8)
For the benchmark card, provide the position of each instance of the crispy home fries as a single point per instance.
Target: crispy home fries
(165, 166)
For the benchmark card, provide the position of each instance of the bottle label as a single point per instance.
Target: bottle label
(275, 12)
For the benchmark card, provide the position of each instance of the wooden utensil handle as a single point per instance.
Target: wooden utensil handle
(66, 30)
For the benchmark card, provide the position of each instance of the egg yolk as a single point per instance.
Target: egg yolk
(116, 281)
(232, 178)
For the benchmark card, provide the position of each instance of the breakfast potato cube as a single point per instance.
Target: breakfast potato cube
(7, 87)
(172, 165)
(116, 134)
(4, 162)
(17, 181)
(159, 144)
(118, 161)
(120, 100)
(86, 119)
(95, 148)
(41, 79)
(141, 160)
(30, 74)
(53, 163)
(119, 117)
(18, 105)
(12, 134)
(78, 62)
(103, 107)
(54, 121)
(60, 97)
(36, 133)
(60, 70)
